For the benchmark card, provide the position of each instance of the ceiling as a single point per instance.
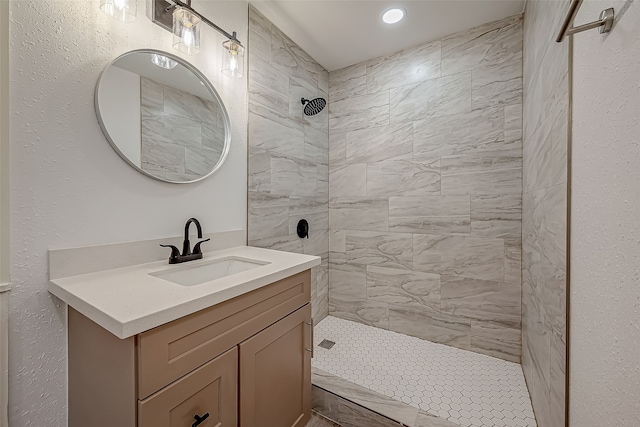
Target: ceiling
(346, 32)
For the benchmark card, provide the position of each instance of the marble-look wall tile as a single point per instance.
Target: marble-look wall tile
(259, 171)
(323, 80)
(337, 148)
(431, 325)
(348, 82)
(261, 26)
(403, 177)
(288, 243)
(545, 163)
(289, 58)
(436, 97)
(462, 256)
(268, 216)
(293, 177)
(275, 132)
(470, 132)
(348, 279)
(405, 288)
(513, 260)
(545, 87)
(379, 249)
(357, 309)
(319, 292)
(409, 66)
(545, 223)
(487, 44)
(316, 146)
(430, 214)
(497, 85)
(496, 340)
(483, 300)
(496, 215)
(349, 180)
(359, 112)
(268, 86)
(337, 240)
(513, 123)
(323, 181)
(373, 144)
(544, 227)
(356, 213)
(481, 174)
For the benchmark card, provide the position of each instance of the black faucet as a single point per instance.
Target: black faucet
(187, 255)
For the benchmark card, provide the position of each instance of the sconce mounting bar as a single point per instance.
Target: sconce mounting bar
(162, 15)
(604, 22)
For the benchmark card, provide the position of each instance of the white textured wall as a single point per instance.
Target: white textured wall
(120, 102)
(68, 186)
(605, 229)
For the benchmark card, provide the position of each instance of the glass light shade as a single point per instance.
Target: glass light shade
(122, 10)
(233, 62)
(163, 62)
(186, 31)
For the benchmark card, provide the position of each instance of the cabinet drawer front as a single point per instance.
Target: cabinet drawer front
(170, 351)
(275, 374)
(211, 389)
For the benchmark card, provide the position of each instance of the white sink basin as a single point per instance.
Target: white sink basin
(195, 274)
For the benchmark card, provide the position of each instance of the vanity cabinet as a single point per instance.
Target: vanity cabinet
(244, 362)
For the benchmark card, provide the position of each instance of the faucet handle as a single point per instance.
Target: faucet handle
(196, 248)
(175, 252)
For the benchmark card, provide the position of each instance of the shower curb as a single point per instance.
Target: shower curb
(349, 405)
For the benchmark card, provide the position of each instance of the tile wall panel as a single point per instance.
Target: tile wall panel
(288, 152)
(544, 228)
(425, 185)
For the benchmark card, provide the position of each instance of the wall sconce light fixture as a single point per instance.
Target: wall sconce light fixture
(122, 10)
(184, 22)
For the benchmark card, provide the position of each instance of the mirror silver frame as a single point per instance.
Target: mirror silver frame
(205, 81)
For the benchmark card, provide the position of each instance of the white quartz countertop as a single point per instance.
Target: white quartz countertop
(127, 301)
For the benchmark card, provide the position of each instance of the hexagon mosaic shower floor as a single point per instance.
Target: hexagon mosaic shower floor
(466, 388)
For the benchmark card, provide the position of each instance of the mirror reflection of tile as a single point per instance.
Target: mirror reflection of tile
(182, 134)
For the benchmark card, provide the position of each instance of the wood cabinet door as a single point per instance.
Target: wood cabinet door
(275, 374)
(207, 397)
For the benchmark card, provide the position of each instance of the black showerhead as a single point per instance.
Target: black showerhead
(314, 106)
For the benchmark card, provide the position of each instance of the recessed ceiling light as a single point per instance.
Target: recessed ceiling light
(392, 16)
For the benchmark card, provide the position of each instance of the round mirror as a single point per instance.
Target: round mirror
(162, 116)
